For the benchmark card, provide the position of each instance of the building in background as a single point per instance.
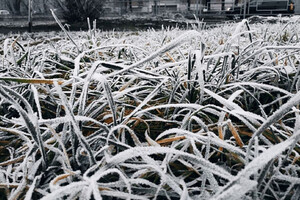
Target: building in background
(39, 7)
(121, 7)
(136, 7)
(197, 7)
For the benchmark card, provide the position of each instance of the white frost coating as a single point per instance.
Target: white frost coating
(297, 122)
(181, 39)
(71, 117)
(239, 27)
(168, 65)
(96, 191)
(227, 63)
(28, 195)
(235, 95)
(123, 195)
(142, 168)
(66, 190)
(99, 77)
(83, 95)
(140, 151)
(215, 140)
(256, 164)
(229, 104)
(258, 85)
(144, 102)
(249, 115)
(5, 46)
(21, 134)
(120, 127)
(150, 141)
(268, 155)
(294, 180)
(142, 181)
(274, 117)
(101, 174)
(61, 120)
(37, 101)
(200, 69)
(237, 191)
(183, 105)
(185, 194)
(108, 94)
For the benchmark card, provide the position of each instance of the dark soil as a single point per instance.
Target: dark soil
(20, 25)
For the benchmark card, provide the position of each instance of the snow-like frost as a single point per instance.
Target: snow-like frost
(140, 151)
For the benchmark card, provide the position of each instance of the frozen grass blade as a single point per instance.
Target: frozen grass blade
(17, 193)
(64, 30)
(202, 139)
(24, 136)
(31, 189)
(295, 100)
(140, 151)
(200, 70)
(181, 39)
(28, 120)
(62, 146)
(74, 124)
(148, 98)
(235, 134)
(31, 80)
(110, 99)
(237, 191)
(67, 190)
(252, 168)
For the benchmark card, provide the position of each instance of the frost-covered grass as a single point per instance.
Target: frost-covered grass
(169, 114)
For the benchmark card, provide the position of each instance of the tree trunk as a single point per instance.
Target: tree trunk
(14, 6)
(223, 4)
(18, 6)
(130, 5)
(125, 5)
(189, 5)
(208, 4)
(44, 7)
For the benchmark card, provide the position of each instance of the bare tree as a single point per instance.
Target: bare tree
(130, 5)
(20, 7)
(14, 6)
(223, 4)
(41, 6)
(79, 10)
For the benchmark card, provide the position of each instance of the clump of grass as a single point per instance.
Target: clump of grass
(191, 114)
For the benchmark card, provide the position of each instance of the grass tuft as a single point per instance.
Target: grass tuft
(208, 113)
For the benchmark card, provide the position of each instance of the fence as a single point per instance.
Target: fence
(121, 7)
(158, 7)
(198, 7)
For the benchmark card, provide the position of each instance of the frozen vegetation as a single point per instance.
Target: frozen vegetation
(168, 114)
